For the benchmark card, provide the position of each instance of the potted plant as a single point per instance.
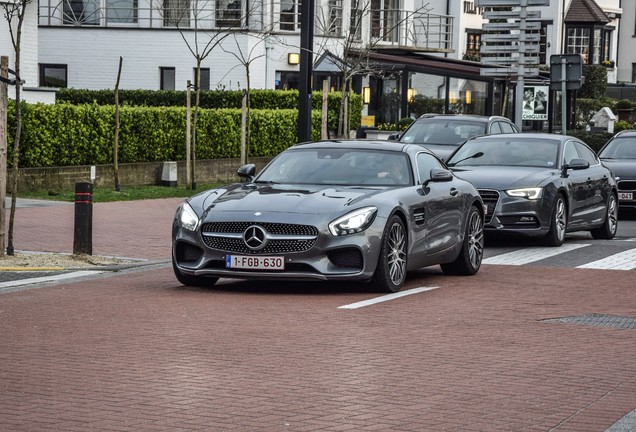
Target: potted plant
(624, 108)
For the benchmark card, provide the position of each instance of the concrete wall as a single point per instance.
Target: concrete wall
(55, 179)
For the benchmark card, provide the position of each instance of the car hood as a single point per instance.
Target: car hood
(267, 198)
(501, 177)
(625, 169)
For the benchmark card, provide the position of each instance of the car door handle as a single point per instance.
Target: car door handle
(454, 191)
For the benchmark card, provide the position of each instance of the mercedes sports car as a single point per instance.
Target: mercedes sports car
(539, 185)
(332, 211)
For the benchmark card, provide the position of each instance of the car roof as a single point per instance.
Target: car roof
(360, 144)
(472, 117)
(526, 135)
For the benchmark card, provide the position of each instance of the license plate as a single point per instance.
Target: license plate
(255, 262)
(625, 196)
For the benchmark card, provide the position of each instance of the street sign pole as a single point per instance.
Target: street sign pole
(564, 90)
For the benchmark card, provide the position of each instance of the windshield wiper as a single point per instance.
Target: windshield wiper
(475, 156)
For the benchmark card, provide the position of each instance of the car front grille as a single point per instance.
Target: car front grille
(627, 185)
(228, 236)
(490, 199)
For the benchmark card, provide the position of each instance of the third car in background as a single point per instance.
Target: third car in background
(619, 155)
(443, 133)
(539, 185)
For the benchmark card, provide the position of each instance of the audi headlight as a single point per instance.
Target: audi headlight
(528, 193)
(188, 219)
(353, 222)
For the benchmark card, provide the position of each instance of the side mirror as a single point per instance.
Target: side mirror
(576, 164)
(439, 175)
(394, 137)
(247, 172)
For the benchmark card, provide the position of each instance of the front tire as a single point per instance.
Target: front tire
(607, 231)
(469, 260)
(558, 223)
(390, 272)
(195, 281)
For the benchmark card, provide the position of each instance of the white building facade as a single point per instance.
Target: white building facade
(80, 41)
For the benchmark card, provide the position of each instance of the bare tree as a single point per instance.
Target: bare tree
(14, 12)
(202, 30)
(351, 55)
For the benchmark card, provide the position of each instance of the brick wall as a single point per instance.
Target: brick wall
(138, 174)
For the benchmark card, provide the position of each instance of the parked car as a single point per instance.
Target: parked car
(443, 133)
(332, 210)
(619, 155)
(540, 185)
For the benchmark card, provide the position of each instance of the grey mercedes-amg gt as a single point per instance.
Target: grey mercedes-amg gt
(332, 210)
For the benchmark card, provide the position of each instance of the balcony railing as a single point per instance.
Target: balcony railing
(202, 14)
(400, 28)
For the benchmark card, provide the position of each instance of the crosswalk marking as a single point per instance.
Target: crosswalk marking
(531, 254)
(625, 260)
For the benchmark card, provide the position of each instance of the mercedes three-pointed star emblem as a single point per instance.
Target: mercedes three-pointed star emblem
(255, 237)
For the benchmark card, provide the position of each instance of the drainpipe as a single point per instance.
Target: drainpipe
(268, 50)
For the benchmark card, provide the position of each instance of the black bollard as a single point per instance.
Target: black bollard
(83, 238)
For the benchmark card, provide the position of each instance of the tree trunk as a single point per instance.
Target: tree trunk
(4, 73)
(116, 143)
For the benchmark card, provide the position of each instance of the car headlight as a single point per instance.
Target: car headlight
(528, 193)
(187, 218)
(353, 222)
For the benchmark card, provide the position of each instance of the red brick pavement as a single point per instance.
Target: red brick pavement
(139, 352)
(136, 229)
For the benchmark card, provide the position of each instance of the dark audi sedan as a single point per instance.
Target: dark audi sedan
(540, 185)
(619, 155)
(332, 210)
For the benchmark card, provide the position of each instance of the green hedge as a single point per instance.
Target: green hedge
(67, 135)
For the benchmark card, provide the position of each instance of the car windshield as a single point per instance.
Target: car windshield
(442, 131)
(508, 152)
(338, 166)
(620, 148)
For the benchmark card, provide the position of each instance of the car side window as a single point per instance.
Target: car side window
(495, 128)
(507, 127)
(426, 162)
(587, 154)
(569, 152)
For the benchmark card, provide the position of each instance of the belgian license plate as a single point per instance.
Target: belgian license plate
(625, 196)
(255, 262)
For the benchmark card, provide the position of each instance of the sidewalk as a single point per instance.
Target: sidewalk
(136, 231)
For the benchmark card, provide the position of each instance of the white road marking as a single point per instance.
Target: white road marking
(386, 298)
(49, 278)
(532, 254)
(625, 260)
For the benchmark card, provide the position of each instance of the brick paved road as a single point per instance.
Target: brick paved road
(138, 352)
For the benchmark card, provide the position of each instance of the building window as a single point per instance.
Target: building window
(473, 45)
(54, 75)
(290, 15)
(229, 13)
(634, 72)
(594, 44)
(355, 25)
(287, 80)
(578, 42)
(384, 19)
(121, 11)
(81, 12)
(335, 18)
(176, 13)
(167, 78)
(205, 78)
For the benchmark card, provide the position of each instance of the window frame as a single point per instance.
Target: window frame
(42, 74)
(162, 77)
